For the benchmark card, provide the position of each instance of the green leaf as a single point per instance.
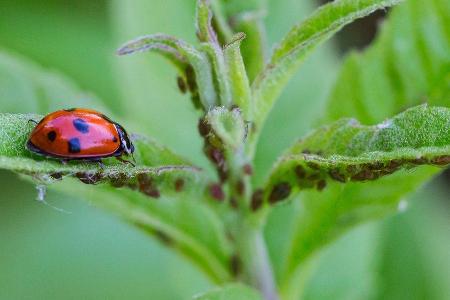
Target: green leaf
(325, 216)
(247, 17)
(240, 87)
(408, 64)
(234, 291)
(217, 59)
(186, 224)
(299, 42)
(347, 151)
(205, 31)
(163, 44)
(198, 60)
(228, 126)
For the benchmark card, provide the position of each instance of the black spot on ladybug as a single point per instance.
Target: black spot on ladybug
(279, 192)
(74, 145)
(114, 139)
(70, 109)
(257, 199)
(51, 136)
(81, 125)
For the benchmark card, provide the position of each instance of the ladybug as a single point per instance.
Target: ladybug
(79, 134)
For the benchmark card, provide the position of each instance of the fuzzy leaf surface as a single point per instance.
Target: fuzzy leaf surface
(408, 64)
(299, 42)
(348, 151)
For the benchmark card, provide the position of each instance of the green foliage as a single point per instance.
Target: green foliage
(407, 65)
(299, 42)
(191, 228)
(231, 291)
(341, 174)
(240, 87)
(347, 151)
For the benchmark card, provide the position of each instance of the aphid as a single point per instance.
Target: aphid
(79, 134)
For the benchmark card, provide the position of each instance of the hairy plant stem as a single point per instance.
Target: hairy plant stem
(250, 244)
(257, 269)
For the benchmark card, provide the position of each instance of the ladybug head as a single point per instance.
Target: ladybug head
(125, 143)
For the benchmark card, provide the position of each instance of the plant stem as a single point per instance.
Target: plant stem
(257, 267)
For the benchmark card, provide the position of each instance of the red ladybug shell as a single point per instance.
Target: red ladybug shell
(78, 134)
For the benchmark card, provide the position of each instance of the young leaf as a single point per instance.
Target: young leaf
(347, 151)
(228, 126)
(198, 60)
(230, 291)
(247, 17)
(211, 46)
(159, 43)
(299, 42)
(240, 87)
(157, 170)
(205, 31)
(407, 65)
(217, 58)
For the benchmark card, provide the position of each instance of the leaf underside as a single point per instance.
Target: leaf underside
(348, 151)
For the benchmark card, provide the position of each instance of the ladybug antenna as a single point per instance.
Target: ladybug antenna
(132, 156)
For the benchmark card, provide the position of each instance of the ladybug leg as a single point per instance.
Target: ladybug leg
(64, 161)
(125, 161)
(33, 121)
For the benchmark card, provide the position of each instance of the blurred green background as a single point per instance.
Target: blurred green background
(88, 254)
